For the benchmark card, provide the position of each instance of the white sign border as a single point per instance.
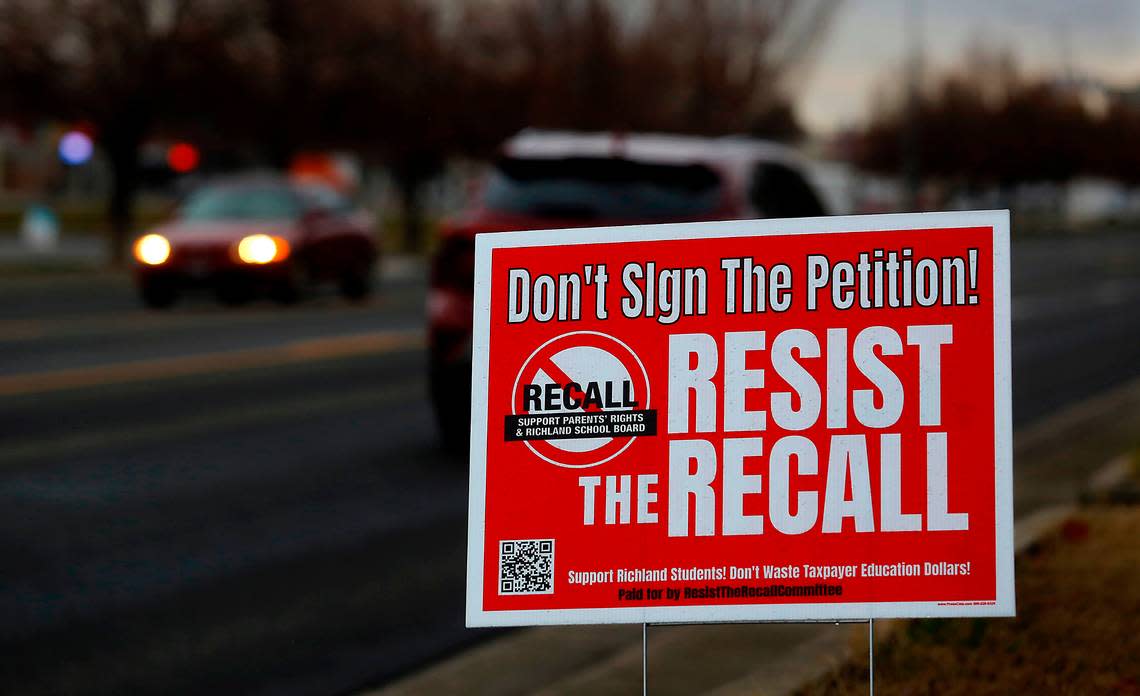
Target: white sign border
(1005, 604)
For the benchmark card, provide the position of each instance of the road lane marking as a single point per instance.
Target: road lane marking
(307, 350)
(15, 453)
(29, 329)
(1057, 303)
(12, 330)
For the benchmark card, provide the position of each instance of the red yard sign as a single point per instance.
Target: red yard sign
(756, 420)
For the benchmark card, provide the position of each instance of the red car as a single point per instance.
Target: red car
(550, 180)
(250, 235)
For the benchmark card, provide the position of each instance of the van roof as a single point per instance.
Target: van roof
(650, 147)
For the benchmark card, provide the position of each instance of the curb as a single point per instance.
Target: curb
(771, 659)
(493, 667)
(1114, 482)
(611, 651)
(827, 652)
(1029, 530)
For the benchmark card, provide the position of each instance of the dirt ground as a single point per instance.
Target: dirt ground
(1077, 629)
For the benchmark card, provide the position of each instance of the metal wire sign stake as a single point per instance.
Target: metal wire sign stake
(871, 655)
(644, 660)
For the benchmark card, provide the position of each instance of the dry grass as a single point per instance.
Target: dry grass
(1077, 629)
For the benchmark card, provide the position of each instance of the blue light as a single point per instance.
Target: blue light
(75, 147)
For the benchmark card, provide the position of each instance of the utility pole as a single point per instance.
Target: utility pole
(912, 133)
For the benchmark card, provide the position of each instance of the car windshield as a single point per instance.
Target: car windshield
(602, 187)
(241, 203)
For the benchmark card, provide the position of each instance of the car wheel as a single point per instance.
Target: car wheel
(356, 284)
(158, 293)
(451, 400)
(287, 290)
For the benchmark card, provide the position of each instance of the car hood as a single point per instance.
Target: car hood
(222, 232)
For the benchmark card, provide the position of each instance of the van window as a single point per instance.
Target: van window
(779, 191)
(602, 188)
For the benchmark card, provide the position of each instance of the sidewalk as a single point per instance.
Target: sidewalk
(1053, 460)
(74, 252)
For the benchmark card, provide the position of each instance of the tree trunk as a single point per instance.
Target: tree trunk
(123, 152)
(412, 222)
(280, 148)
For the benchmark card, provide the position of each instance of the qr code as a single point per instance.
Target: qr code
(526, 566)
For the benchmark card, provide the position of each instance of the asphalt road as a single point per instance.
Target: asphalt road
(255, 501)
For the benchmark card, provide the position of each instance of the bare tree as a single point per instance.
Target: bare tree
(127, 67)
(674, 65)
(403, 82)
(987, 123)
(460, 80)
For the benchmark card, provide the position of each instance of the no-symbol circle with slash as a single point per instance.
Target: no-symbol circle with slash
(582, 358)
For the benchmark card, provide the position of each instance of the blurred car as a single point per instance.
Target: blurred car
(248, 235)
(550, 180)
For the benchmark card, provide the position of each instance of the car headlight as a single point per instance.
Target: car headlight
(152, 249)
(262, 249)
